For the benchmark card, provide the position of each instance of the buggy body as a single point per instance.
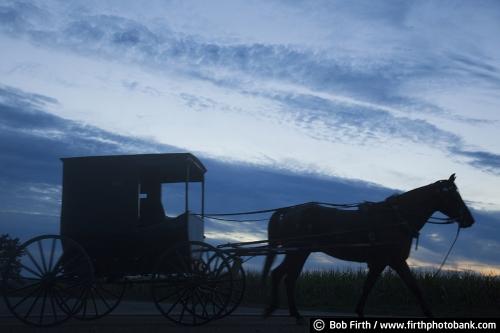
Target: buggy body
(112, 206)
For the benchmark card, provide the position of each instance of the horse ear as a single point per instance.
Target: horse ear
(452, 178)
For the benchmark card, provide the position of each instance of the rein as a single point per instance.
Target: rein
(254, 212)
(449, 251)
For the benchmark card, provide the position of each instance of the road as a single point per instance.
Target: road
(152, 324)
(131, 317)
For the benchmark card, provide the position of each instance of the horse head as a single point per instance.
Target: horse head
(451, 203)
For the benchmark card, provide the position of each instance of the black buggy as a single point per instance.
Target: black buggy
(114, 232)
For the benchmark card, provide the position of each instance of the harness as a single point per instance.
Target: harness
(412, 231)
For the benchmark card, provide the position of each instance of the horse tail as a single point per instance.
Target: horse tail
(272, 233)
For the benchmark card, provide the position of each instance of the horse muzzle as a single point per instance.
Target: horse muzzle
(465, 219)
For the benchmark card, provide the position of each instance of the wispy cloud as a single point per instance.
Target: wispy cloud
(112, 35)
(362, 121)
(486, 161)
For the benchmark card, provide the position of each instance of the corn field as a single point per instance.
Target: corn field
(448, 294)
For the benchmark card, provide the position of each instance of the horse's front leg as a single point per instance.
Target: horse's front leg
(375, 269)
(404, 272)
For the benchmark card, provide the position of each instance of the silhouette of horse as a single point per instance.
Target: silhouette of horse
(379, 234)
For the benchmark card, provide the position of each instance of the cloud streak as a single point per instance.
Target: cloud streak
(486, 161)
(111, 35)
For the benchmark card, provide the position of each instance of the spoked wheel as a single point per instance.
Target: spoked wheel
(44, 281)
(238, 286)
(192, 283)
(100, 299)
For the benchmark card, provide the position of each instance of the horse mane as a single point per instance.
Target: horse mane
(393, 199)
(397, 198)
(378, 205)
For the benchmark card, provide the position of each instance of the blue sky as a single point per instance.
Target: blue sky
(285, 101)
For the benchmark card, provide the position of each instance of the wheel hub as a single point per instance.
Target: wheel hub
(48, 280)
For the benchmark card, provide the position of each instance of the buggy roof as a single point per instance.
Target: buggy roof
(164, 168)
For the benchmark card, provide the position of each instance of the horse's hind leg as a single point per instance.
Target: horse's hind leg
(375, 269)
(405, 273)
(295, 267)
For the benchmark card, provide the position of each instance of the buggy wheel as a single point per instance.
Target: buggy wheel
(238, 286)
(100, 299)
(45, 279)
(192, 283)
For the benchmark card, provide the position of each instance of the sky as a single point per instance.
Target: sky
(284, 101)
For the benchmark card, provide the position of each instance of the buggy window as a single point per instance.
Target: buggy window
(174, 198)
